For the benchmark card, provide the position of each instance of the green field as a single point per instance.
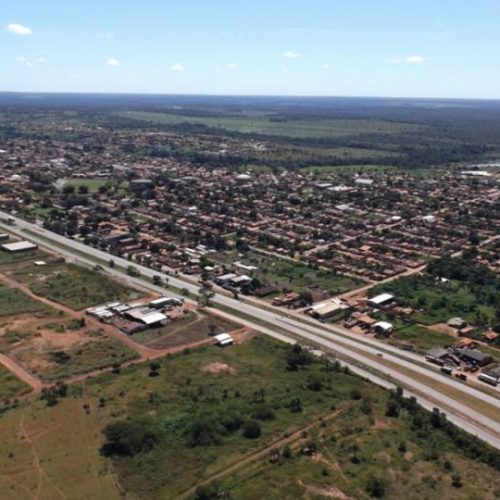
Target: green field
(86, 357)
(92, 184)
(422, 338)
(73, 286)
(13, 301)
(10, 385)
(272, 126)
(189, 424)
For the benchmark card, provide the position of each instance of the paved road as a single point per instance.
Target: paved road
(466, 417)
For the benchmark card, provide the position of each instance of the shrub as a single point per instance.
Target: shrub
(252, 429)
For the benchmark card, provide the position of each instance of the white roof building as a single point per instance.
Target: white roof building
(381, 299)
(223, 339)
(19, 246)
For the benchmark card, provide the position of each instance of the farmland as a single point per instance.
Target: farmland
(269, 125)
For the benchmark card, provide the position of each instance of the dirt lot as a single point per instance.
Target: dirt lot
(193, 327)
(32, 341)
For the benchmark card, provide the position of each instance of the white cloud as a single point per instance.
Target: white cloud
(415, 60)
(113, 62)
(107, 34)
(41, 60)
(232, 66)
(19, 29)
(20, 59)
(395, 61)
(325, 66)
(290, 54)
(176, 67)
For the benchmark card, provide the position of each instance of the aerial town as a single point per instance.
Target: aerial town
(136, 258)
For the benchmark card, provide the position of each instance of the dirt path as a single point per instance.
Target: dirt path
(36, 460)
(143, 351)
(35, 383)
(260, 454)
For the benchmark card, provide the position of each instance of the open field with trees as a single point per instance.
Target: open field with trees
(449, 288)
(289, 274)
(73, 286)
(261, 419)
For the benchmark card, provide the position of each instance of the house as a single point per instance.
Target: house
(19, 246)
(225, 278)
(223, 340)
(287, 299)
(162, 302)
(381, 300)
(457, 323)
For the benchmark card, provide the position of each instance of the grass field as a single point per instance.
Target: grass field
(73, 286)
(92, 184)
(47, 451)
(10, 385)
(422, 338)
(14, 301)
(270, 126)
(86, 357)
(208, 388)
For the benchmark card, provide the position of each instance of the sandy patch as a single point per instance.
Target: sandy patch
(329, 492)
(218, 368)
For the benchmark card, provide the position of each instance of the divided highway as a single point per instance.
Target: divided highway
(334, 338)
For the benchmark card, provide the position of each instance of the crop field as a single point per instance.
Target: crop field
(276, 126)
(10, 385)
(71, 285)
(240, 421)
(291, 275)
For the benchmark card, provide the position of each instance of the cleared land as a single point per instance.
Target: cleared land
(191, 327)
(276, 126)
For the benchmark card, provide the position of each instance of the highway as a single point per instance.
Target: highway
(334, 338)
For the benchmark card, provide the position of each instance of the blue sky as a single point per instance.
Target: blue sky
(425, 48)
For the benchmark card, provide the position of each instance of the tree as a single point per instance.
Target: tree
(251, 429)
(133, 271)
(456, 481)
(154, 368)
(157, 280)
(392, 409)
(376, 487)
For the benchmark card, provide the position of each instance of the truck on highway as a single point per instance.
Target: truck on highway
(488, 379)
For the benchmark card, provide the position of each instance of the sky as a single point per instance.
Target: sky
(394, 48)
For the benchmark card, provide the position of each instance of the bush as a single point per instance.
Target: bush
(128, 438)
(263, 413)
(252, 429)
(376, 487)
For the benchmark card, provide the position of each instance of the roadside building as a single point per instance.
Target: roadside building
(384, 299)
(19, 246)
(383, 328)
(475, 356)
